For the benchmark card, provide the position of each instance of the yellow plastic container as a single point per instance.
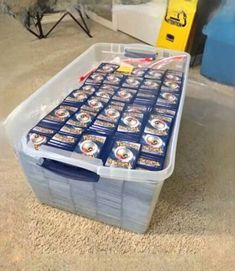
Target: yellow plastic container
(177, 24)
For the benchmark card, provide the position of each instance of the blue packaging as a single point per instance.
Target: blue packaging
(105, 101)
(144, 102)
(124, 154)
(132, 82)
(94, 104)
(108, 88)
(150, 163)
(153, 144)
(82, 119)
(71, 109)
(72, 130)
(139, 72)
(58, 116)
(116, 103)
(96, 78)
(136, 108)
(110, 113)
(130, 123)
(145, 95)
(35, 140)
(124, 95)
(63, 141)
(171, 86)
(76, 98)
(114, 79)
(43, 131)
(174, 75)
(168, 99)
(88, 89)
(103, 127)
(158, 125)
(170, 112)
(154, 74)
(146, 98)
(107, 67)
(127, 136)
(91, 145)
(105, 95)
(150, 84)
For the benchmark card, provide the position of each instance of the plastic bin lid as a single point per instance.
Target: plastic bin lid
(222, 26)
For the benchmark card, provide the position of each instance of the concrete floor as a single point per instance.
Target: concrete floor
(193, 223)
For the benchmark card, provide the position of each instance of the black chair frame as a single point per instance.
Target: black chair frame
(37, 21)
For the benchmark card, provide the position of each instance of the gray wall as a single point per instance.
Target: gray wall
(101, 7)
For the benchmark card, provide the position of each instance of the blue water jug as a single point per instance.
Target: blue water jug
(218, 61)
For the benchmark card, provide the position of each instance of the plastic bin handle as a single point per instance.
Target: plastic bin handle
(138, 51)
(69, 171)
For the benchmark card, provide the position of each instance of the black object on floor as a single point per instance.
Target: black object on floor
(37, 19)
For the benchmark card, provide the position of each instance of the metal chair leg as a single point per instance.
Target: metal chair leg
(38, 26)
(83, 20)
(84, 28)
(40, 34)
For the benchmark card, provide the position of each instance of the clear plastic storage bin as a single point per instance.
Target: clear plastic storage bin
(121, 197)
